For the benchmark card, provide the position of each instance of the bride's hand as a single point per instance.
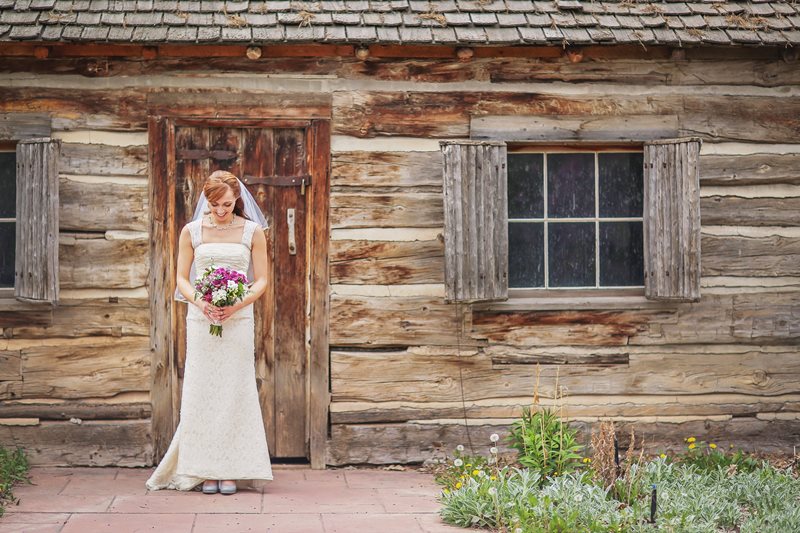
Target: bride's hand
(209, 310)
(224, 313)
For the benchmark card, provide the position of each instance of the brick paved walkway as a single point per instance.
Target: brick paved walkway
(300, 500)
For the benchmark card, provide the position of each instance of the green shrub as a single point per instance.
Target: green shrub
(13, 469)
(545, 443)
(709, 456)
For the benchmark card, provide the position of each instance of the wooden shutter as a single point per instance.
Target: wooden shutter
(475, 221)
(37, 221)
(672, 220)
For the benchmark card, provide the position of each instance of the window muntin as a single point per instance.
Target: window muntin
(8, 210)
(575, 218)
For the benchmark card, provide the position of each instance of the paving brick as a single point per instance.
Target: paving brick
(283, 523)
(128, 523)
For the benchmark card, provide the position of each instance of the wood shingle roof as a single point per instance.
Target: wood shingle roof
(450, 22)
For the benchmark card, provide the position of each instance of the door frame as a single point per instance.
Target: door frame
(218, 110)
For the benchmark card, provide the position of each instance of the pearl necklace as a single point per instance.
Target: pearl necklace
(217, 226)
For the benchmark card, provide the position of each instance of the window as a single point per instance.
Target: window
(575, 218)
(8, 210)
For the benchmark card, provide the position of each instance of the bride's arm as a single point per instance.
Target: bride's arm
(185, 258)
(259, 283)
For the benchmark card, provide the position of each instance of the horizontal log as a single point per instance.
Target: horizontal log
(377, 321)
(76, 409)
(415, 443)
(386, 169)
(557, 328)
(106, 109)
(86, 263)
(112, 317)
(447, 115)
(25, 315)
(386, 210)
(252, 105)
(103, 160)
(737, 211)
(102, 206)
(94, 443)
(586, 406)
(711, 320)
(741, 255)
(16, 126)
(752, 169)
(360, 262)
(660, 370)
(574, 128)
(98, 369)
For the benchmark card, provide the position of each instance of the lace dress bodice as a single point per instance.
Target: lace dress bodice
(233, 255)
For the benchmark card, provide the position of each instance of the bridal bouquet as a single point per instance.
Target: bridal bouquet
(220, 286)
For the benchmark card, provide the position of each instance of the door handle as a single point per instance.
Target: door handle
(292, 241)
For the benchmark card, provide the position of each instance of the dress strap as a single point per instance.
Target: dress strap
(247, 234)
(196, 232)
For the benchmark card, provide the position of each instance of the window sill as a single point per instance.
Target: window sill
(569, 302)
(16, 313)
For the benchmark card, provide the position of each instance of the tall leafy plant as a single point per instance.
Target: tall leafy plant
(545, 443)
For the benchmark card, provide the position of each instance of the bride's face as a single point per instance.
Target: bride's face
(222, 208)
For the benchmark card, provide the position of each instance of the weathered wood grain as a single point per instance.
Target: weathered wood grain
(15, 126)
(360, 262)
(109, 317)
(103, 368)
(386, 210)
(751, 169)
(240, 104)
(83, 410)
(10, 365)
(102, 206)
(733, 210)
(386, 169)
(103, 160)
(586, 406)
(406, 376)
(416, 442)
(106, 109)
(102, 263)
(741, 255)
(447, 115)
(364, 321)
(763, 318)
(672, 220)
(92, 443)
(36, 255)
(574, 128)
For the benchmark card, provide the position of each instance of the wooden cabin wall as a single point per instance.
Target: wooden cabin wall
(405, 366)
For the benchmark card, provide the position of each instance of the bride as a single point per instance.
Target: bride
(220, 438)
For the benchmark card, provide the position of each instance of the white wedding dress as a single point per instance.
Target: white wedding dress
(221, 433)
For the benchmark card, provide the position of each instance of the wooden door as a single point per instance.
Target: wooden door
(273, 161)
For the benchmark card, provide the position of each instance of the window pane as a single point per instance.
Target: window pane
(621, 182)
(571, 254)
(7, 243)
(621, 259)
(526, 254)
(8, 184)
(525, 185)
(570, 185)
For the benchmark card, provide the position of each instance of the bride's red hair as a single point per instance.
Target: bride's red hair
(220, 182)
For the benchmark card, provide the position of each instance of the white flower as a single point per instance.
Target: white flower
(219, 296)
(518, 530)
(460, 447)
(492, 491)
(493, 450)
(494, 437)
(481, 473)
(458, 462)
(232, 285)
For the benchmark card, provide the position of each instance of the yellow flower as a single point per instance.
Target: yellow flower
(663, 456)
(587, 460)
(447, 491)
(493, 478)
(691, 440)
(468, 465)
(462, 476)
(692, 446)
(458, 485)
(476, 472)
(712, 446)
